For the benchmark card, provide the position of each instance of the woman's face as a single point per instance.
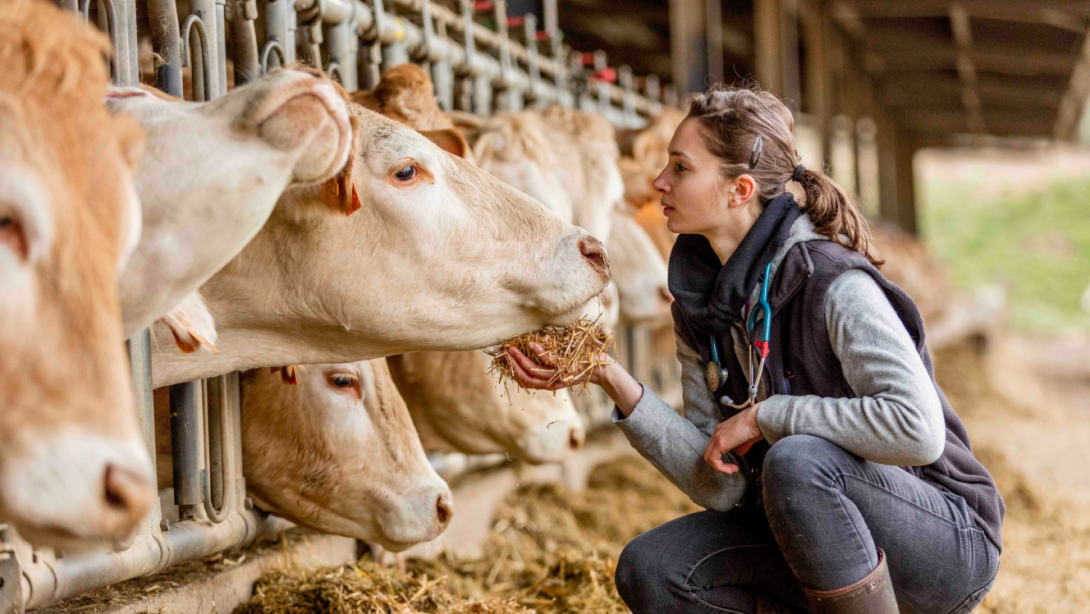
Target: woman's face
(694, 191)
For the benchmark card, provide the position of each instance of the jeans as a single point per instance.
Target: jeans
(825, 513)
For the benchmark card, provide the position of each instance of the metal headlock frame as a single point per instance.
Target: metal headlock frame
(209, 511)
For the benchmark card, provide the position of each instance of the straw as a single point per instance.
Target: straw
(575, 350)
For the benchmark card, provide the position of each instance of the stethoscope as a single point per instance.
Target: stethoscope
(715, 375)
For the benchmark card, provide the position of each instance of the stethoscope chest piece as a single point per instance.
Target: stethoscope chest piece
(715, 375)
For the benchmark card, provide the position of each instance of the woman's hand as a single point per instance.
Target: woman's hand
(533, 375)
(738, 433)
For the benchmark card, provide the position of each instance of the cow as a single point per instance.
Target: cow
(591, 176)
(454, 403)
(74, 470)
(639, 271)
(441, 256)
(457, 407)
(332, 448)
(209, 179)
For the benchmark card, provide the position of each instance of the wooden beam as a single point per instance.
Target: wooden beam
(963, 38)
(713, 22)
(940, 91)
(768, 48)
(1005, 123)
(1071, 17)
(931, 55)
(1074, 102)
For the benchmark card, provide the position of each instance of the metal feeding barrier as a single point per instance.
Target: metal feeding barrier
(474, 68)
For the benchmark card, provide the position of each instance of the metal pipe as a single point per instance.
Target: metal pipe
(166, 42)
(341, 44)
(53, 581)
(247, 64)
(201, 64)
(205, 11)
(185, 416)
(280, 25)
(215, 479)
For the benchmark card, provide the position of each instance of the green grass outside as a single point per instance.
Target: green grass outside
(1036, 245)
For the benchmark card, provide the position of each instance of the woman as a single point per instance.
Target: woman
(840, 481)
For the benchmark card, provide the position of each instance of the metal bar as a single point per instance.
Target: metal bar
(185, 416)
(247, 60)
(166, 42)
(53, 581)
(341, 45)
(205, 10)
(280, 25)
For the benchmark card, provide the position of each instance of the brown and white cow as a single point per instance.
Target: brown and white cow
(212, 173)
(440, 256)
(73, 466)
(332, 448)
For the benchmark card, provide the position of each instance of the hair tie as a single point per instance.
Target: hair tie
(797, 175)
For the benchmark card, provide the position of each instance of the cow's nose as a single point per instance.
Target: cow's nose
(444, 509)
(577, 437)
(127, 498)
(593, 250)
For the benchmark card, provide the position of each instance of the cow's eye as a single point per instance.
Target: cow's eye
(406, 173)
(11, 235)
(341, 380)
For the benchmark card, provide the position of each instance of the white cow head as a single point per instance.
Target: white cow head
(639, 272)
(440, 256)
(73, 466)
(456, 406)
(337, 452)
(213, 171)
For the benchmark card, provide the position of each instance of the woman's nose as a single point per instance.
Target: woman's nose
(660, 184)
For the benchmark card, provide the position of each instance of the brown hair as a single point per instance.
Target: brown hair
(732, 119)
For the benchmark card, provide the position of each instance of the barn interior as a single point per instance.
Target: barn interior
(897, 101)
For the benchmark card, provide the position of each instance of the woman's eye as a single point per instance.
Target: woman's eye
(406, 173)
(343, 381)
(679, 168)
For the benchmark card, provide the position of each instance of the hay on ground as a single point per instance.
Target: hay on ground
(575, 350)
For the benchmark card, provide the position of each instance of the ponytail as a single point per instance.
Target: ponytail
(732, 120)
(835, 214)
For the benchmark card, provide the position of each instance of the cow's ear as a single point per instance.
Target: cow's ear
(287, 374)
(339, 192)
(192, 325)
(450, 140)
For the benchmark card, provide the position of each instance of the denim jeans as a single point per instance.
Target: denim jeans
(826, 511)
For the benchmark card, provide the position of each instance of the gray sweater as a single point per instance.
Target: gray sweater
(895, 419)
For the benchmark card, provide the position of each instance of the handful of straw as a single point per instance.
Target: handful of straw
(575, 351)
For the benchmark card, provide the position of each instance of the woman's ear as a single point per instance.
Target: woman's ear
(741, 191)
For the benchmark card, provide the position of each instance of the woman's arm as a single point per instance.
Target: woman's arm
(673, 444)
(896, 418)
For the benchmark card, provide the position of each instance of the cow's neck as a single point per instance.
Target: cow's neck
(262, 319)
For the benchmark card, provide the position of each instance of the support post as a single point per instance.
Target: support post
(906, 182)
(767, 45)
(688, 35)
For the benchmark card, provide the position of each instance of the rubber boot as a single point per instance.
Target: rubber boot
(871, 595)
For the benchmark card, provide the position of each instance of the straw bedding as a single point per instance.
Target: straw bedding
(550, 551)
(575, 350)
